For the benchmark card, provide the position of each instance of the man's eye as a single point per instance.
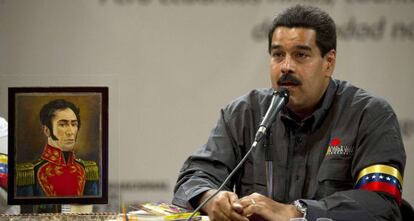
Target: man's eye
(277, 54)
(301, 55)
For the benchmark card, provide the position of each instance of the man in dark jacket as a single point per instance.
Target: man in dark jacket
(337, 150)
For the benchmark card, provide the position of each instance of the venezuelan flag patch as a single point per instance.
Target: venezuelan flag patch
(381, 178)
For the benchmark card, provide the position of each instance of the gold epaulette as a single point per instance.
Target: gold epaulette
(25, 174)
(91, 169)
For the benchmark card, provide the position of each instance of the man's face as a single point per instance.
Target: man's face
(296, 63)
(65, 129)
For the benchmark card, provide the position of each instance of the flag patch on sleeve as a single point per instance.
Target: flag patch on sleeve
(381, 178)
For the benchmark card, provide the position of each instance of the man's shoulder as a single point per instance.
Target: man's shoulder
(25, 172)
(253, 100)
(358, 98)
(91, 169)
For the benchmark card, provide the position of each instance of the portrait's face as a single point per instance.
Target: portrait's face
(296, 63)
(65, 129)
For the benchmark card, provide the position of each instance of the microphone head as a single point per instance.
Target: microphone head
(282, 92)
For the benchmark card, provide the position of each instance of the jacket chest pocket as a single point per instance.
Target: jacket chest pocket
(334, 175)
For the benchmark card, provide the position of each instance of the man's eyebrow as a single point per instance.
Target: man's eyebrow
(303, 47)
(274, 47)
(300, 47)
(66, 121)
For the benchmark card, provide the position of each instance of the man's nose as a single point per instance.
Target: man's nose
(70, 130)
(287, 65)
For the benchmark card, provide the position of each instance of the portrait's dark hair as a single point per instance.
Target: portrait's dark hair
(300, 16)
(48, 111)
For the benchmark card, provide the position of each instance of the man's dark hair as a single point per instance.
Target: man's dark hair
(48, 111)
(300, 16)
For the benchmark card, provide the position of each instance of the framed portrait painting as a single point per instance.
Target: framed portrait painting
(58, 145)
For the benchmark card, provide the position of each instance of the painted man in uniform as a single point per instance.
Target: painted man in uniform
(58, 173)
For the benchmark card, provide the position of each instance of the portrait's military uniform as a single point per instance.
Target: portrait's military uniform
(55, 175)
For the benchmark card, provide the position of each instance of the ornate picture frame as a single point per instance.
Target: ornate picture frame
(58, 145)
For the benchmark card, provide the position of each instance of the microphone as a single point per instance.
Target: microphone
(279, 100)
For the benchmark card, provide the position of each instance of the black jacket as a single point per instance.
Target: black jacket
(320, 160)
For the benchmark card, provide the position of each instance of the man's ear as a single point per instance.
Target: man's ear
(330, 60)
(46, 131)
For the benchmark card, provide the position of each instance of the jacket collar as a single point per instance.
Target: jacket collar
(56, 156)
(313, 121)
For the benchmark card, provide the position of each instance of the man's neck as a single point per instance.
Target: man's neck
(302, 114)
(66, 155)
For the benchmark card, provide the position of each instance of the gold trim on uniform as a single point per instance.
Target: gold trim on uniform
(25, 174)
(91, 169)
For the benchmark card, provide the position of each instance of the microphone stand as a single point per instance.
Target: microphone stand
(254, 144)
(279, 99)
(269, 166)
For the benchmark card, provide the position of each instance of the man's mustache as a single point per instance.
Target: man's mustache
(288, 79)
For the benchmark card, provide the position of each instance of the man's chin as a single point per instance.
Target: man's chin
(294, 106)
(67, 148)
